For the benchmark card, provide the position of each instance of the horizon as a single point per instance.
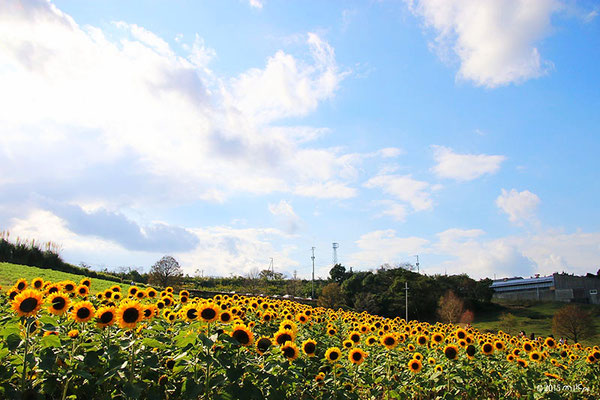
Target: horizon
(230, 133)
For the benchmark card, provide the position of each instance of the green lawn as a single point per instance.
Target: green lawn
(531, 317)
(9, 273)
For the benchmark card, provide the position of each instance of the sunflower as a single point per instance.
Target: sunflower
(319, 378)
(451, 352)
(170, 364)
(418, 356)
(21, 284)
(167, 301)
(83, 311)
(116, 296)
(263, 344)
(415, 366)
(12, 293)
(422, 340)
(105, 316)
(209, 312)
(499, 345)
(282, 336)
(356, 356)
(27, 303)
(129, 314)
(37, 283)
(69, 286)
(460, 334)
(289, 325)
(59, 303)
(302, 318)
(354, 336)
(511, 358)
(535, 356)
(140, 294)
(86, 282)
(132, 291)
(184, 293)
(189, 313)
(348, 343)
(487, 348)
(389, 340)
(371, 340)
(471, 350)
(53, 288)
(439, 368)
(82, 290)
(149, 311)
(521, 362)
(309, 347)
(115, 288)
(290, 351)
(225, 317)
(331, 331)
(73, 333)
(527, 346)
(333, 354)
(431, 361)
(242, 334)
(550, 342)
(151, 293)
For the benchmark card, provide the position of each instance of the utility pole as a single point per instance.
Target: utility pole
(406, 306)
(312, 285)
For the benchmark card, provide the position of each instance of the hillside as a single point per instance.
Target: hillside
(531, 317)
(9, 273)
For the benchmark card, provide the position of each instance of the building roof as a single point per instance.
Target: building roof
(523, 284)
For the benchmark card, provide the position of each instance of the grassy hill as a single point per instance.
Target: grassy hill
(531, 317)
(9, 273)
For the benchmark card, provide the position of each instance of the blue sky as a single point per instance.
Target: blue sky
(228, 132)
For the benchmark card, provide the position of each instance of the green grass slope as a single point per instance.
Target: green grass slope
(9, 273)
(531, 317)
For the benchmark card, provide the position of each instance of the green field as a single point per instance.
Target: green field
(9, 273)
(531, 317)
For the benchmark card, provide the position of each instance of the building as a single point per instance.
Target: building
(556, 287)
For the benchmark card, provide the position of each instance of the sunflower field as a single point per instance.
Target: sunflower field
(60, 341)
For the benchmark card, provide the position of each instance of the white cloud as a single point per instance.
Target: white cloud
(405, 188)
(392, 209)
(326, 190)
(383, 246)
(464, 167)
(157, 125)
(256, 3)
(494, 40)
(286, 215)
(519, 206)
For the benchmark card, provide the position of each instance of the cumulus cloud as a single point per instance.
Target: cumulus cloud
(383, 246)
(256, 3)
(495, 41)
(284, 212)
(404, 188)
(519, 206)
(464, 167)
(395, 210)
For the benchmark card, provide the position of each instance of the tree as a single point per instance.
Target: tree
(573, 322)
(166, 272)
(366, 302)
(331, 296)
(450, 307)
(508, 323)
(338, 273)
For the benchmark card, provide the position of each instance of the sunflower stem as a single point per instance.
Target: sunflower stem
(28, 324)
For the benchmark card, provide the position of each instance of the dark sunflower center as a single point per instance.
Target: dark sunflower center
(58, 303)
(53, 289)
(263, 344)
(131, 315)
(208, 313)
(487, 348)
(267, 317)
(225, 317)
(309, 348)
(170, 364)
(192, 313)
(450, 352)
(21, 286)
(471, 350)
(241, 336)
(69, 287)
(414, 365)
(28, 305)
(82, 291)
(83, 313)
(389, 341)
(147, 313)
(461, 335)
(535, 356)
(289, 352)
(334, 355)
(108, 295)
(37, 284)
(284, 337)
(355, 338)
(356, 356)
(422, 340)
(106, 317)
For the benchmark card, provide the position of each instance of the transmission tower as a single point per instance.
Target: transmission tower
(335, 247)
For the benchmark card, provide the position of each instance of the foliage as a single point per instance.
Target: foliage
(508, 323)
(573, 322)
(331, 296)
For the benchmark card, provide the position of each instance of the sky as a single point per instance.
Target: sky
(229, 133)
